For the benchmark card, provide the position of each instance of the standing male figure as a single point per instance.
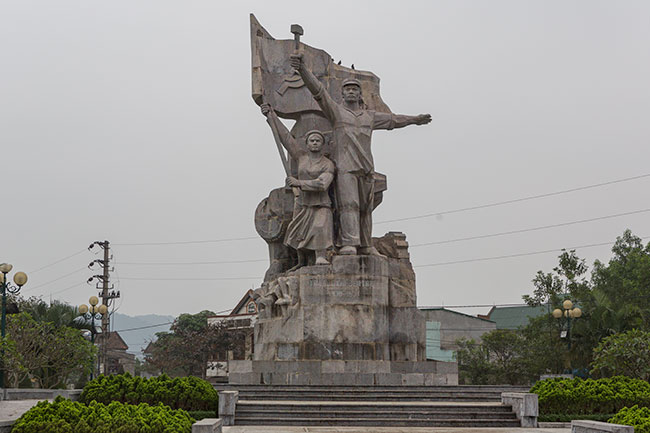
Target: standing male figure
(353, 126)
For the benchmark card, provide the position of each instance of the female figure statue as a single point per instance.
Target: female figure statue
(312, 226)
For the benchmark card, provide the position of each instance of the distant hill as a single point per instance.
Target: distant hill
(137, 339)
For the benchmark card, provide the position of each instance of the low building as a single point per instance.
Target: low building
(445, 327)
(515, 316)
(242, 319)
(118, 360)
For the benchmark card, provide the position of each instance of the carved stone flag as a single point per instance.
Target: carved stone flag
(276, 83)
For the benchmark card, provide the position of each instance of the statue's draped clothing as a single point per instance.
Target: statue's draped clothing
(312, 227)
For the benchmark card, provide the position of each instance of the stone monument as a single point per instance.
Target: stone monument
(337, 306)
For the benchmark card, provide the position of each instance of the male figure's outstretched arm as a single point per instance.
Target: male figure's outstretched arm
(391, 121)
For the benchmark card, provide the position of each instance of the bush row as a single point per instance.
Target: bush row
(587, 396)
(637, 417)
(65, 416)
(189, 393)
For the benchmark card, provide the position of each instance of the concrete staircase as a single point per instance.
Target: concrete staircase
(398, 406)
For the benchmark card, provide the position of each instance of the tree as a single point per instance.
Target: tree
(48, 355)
(474, 367)
(624, 283)
(189, 345)
(500, 358)
(56, 312)
(627, 353)
(566, 281)
(614, 299)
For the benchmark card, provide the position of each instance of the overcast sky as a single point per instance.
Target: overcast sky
(132, 121)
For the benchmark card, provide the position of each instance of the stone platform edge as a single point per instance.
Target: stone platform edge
(332, 372)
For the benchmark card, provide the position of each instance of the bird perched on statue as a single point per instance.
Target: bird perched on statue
(339, 62)
(352, 65)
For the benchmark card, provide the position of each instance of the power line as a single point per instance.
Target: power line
(145, 327)
(482, 259)
(448, 241)
(531, 229)
(161, 324)
(191, 279)
(516, 200)
(67, 288)
(428, 307)
(192, 263)
(206, 241)
(56, 262)
(56, 279)
(451, 211)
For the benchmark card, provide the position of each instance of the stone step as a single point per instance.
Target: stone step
(354, 414)
(374, 422)
(396, 388)
(370, 396)
(373, 393)
(251, 406)
(435, 406)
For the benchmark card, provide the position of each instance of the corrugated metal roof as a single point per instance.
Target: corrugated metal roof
(515, 317)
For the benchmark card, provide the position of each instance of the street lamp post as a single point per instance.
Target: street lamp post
(92, 313)
(568, 312)
(20, 278)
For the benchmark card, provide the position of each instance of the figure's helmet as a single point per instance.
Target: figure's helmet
(351, 81)
(317, 132)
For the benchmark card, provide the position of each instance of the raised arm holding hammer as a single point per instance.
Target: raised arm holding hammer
(353, 126)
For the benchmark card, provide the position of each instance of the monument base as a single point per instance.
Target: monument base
(352, 373)
(359, 307)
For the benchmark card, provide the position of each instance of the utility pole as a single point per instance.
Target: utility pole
(106, 294)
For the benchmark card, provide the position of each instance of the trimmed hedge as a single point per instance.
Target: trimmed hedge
(189, 393)
(65, 416)
(637, 417)
(587, 396)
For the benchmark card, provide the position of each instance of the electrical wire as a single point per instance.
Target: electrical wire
(56, 279)
(448, 241)
(162, 324)
(192, 263)
(67, 288)
(482, 259)
(56, 262)
(570, 223)
(516, 200)
(191, 279)
(206, 241)
(432, 214)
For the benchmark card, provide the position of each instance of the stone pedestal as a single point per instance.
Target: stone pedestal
(357, 308)
(353, 322)
(338, 373)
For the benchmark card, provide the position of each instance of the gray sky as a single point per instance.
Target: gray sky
(132, 121)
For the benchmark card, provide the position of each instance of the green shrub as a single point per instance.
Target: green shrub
(198, 415)
(583, 397)
(637, 417)
(189, 393)
(65, 416)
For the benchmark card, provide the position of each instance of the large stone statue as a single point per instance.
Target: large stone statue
(349, 317)
(353, 125)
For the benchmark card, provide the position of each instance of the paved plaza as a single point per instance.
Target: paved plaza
(13, 409)
(283, 429)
